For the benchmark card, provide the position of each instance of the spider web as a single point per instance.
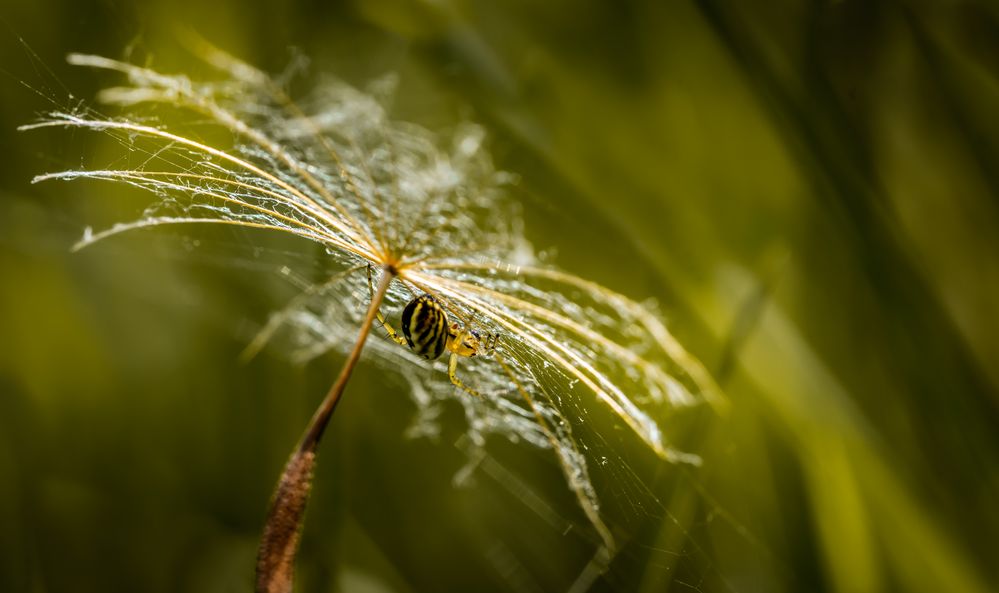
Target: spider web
(599, 455)
(581, 372)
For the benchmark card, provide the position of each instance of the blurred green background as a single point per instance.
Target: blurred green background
(809, 189)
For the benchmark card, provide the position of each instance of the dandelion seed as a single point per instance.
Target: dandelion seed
(431, 215)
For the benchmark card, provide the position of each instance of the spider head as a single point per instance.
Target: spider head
(464, 342)
(470, 343)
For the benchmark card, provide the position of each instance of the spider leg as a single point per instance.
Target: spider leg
(381, 318)
(452, 367)
(491, 340)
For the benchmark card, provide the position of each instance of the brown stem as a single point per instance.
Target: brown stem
(279, 542)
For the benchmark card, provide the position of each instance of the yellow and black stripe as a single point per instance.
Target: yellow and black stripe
(425, 325)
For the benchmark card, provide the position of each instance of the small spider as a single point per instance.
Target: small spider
(428, 332)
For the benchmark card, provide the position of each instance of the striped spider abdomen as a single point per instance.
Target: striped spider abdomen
(425, 325)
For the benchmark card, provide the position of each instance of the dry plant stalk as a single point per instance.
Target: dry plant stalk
(282, 530)
(432, 214)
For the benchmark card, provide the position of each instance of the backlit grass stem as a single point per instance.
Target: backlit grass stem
(282, 531)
